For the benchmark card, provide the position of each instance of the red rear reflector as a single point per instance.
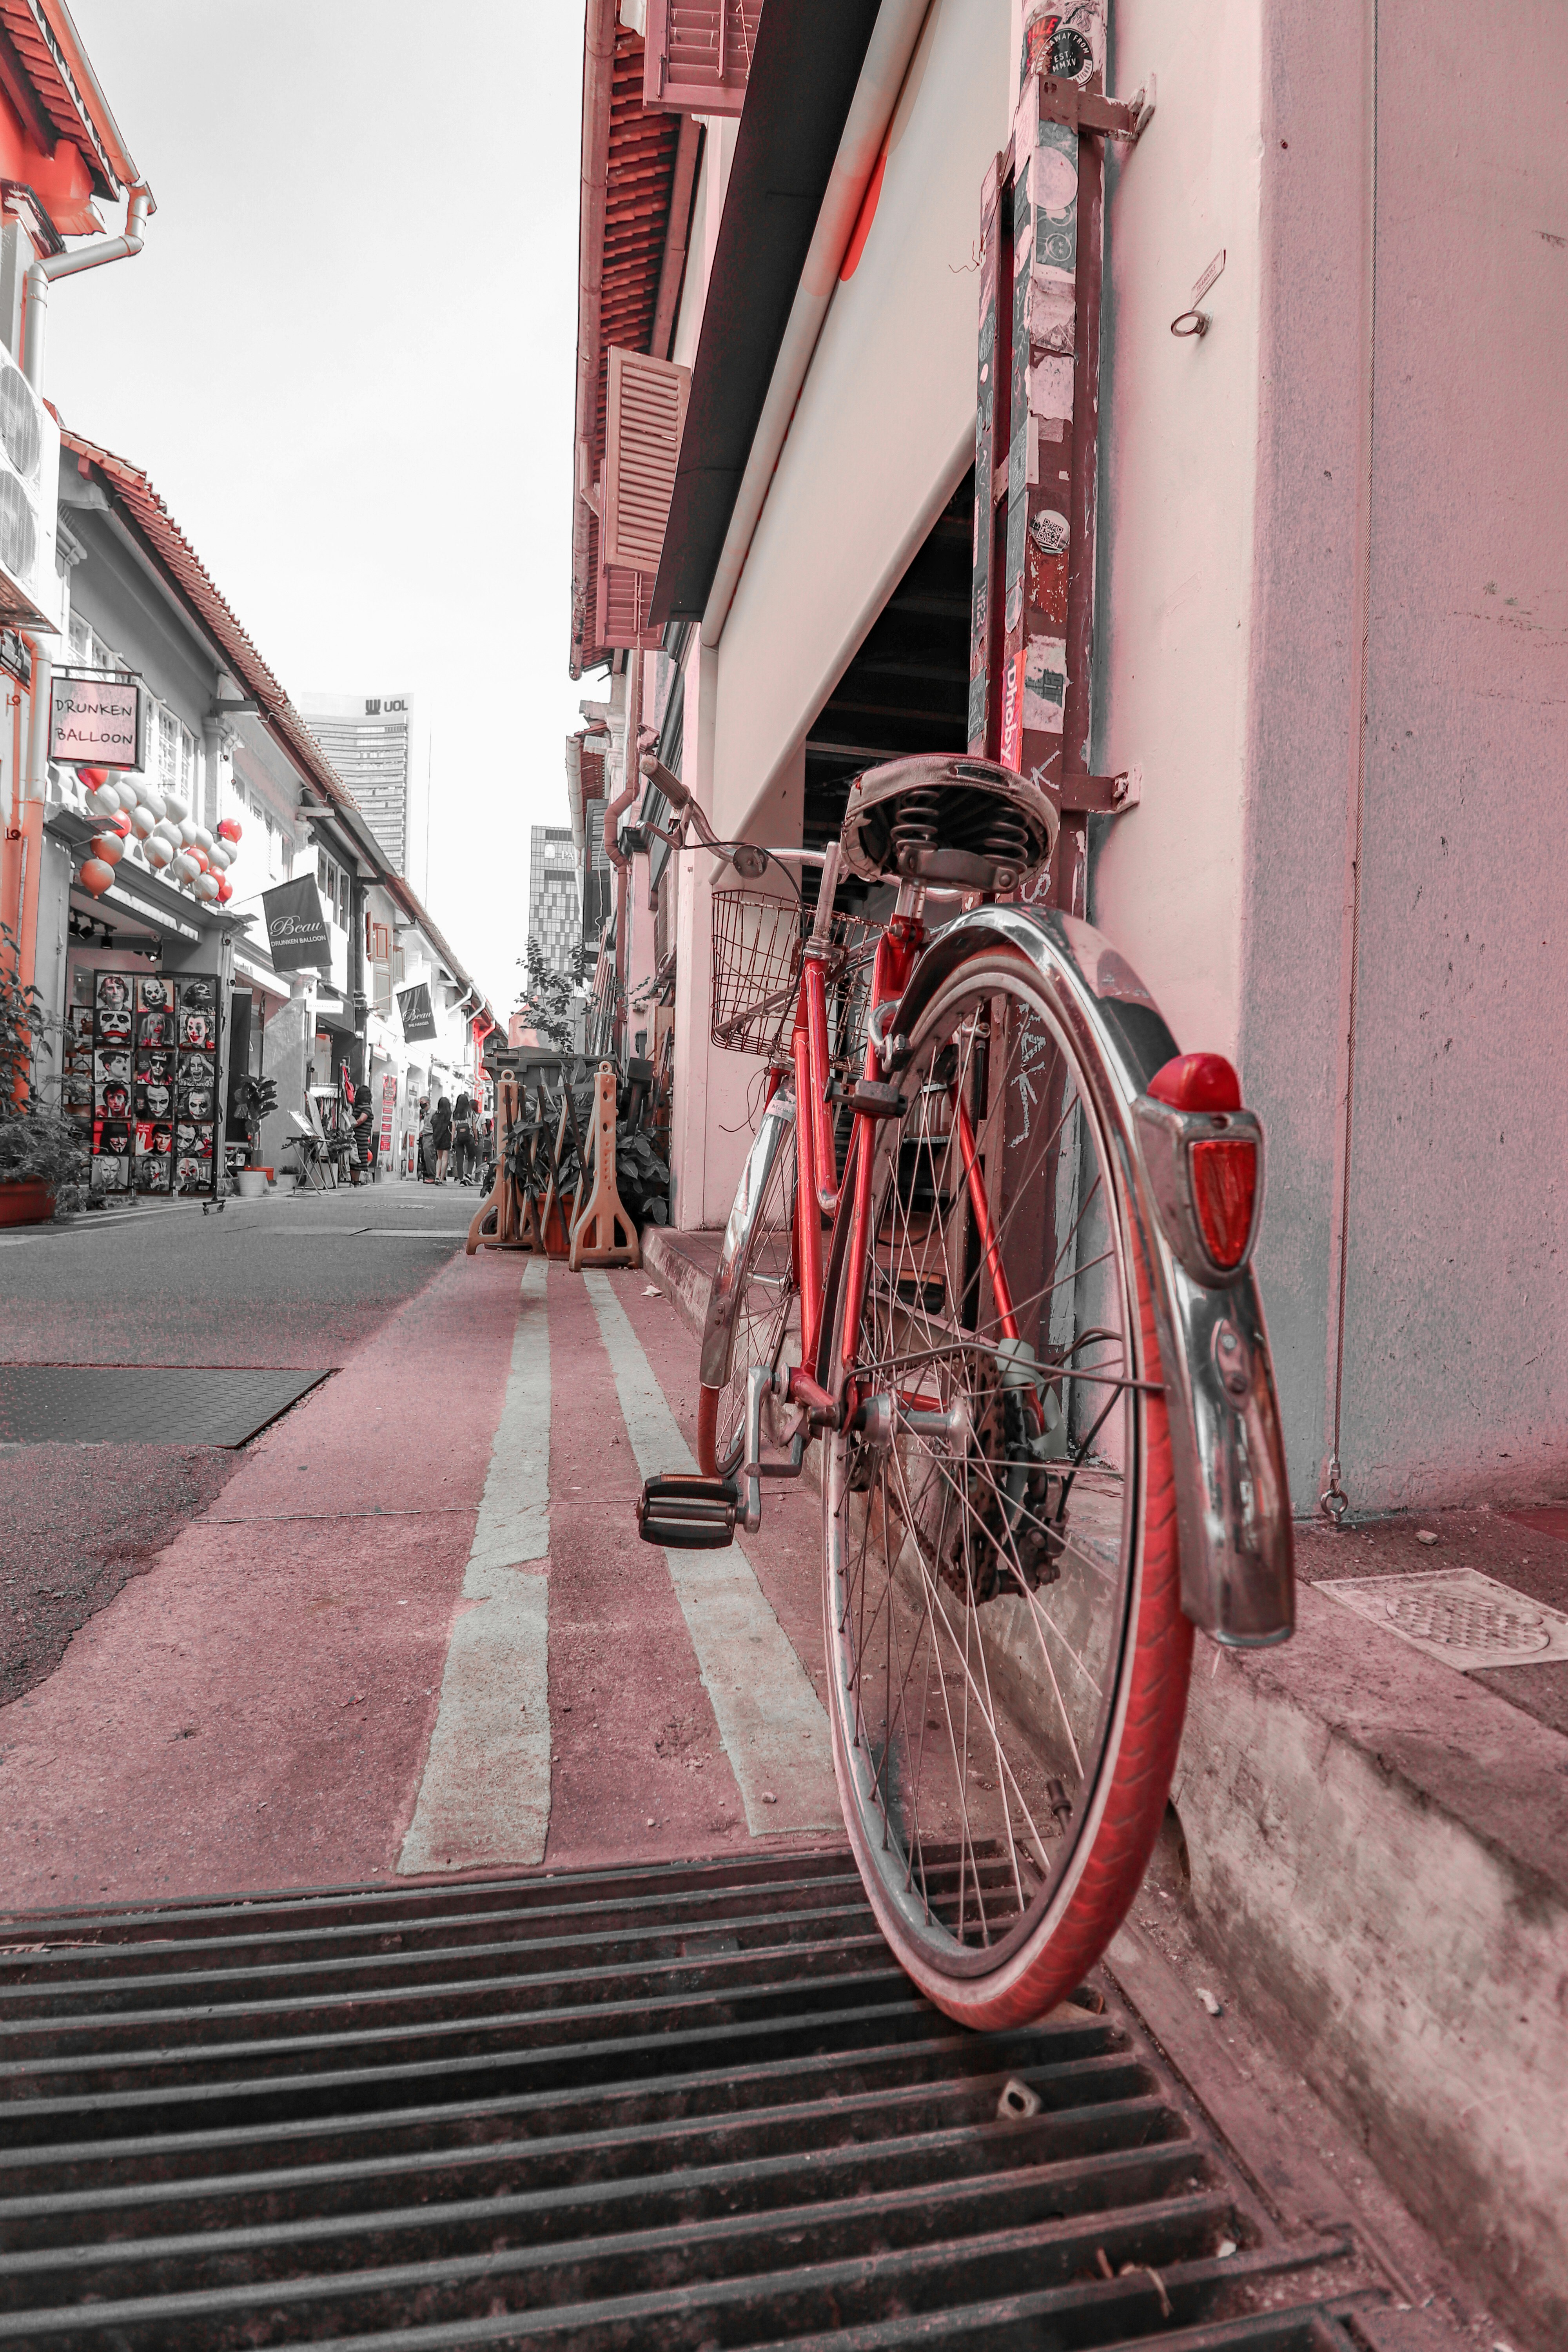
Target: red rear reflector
(1224, 1184)
(1198, 1082)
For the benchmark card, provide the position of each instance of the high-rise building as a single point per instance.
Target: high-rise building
(552, 918)
(369, 740)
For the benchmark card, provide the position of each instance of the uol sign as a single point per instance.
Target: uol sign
(296, 934)
(97, 722)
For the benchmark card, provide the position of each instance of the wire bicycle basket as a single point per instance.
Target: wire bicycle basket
(757, 947)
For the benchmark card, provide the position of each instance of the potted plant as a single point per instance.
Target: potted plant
(256, 1098)
(44, 1161)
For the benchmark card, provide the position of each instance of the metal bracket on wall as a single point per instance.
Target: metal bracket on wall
(1090, 109)
(1101, 795)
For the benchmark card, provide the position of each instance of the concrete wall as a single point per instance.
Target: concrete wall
(1395, 1904)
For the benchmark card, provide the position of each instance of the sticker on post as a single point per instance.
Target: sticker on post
(1045, 666)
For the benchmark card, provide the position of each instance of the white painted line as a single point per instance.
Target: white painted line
(513, 1524)
(485, 1796)
(772, 1724)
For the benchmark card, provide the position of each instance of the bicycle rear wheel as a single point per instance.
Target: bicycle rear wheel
(1008, 1659)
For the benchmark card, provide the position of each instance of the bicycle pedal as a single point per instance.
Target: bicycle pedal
(686, 1513)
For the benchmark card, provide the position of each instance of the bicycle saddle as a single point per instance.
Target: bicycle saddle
(944, 817)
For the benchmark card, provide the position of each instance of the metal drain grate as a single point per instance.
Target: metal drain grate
(143, 1404)
(1461, 1620)
(669, 2108)
(1458, 1616)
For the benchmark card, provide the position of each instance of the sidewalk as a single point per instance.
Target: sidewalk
(1375, 1847)
(458, 1655)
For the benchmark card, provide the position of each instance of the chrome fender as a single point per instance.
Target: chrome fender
(1233, 1499)
(775, 1129)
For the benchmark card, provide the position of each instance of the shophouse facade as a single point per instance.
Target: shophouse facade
(1340, 863)
(220, 730)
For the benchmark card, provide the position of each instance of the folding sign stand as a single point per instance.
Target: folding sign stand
(594, 1234)
(1037, 429)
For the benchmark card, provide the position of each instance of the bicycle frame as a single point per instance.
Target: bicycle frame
(1232, 1495)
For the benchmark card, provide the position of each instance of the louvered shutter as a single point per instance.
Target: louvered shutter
(644, 411)
(698, 53)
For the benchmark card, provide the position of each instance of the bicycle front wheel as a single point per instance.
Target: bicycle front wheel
(1007, 1661)
(753, 1306)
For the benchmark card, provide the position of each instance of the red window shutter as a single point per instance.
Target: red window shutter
(643, 413)
(620, 619)
(698, 53)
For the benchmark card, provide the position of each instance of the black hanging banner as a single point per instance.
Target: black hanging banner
(295, 926)
(414, 1006)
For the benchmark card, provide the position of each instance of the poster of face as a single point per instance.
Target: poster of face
(140, 1063)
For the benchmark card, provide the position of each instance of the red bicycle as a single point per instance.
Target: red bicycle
(987, 1275)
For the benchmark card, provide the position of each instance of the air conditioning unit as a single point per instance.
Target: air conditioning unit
(32, 593)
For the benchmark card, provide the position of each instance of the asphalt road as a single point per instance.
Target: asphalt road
(301, 1283)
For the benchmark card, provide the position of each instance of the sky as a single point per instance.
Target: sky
(345, 360)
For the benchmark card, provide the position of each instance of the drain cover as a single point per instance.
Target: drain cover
(142, 1404)
(1457, 1615)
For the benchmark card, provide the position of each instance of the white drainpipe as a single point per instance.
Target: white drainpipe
(36, 293)
(892, 45)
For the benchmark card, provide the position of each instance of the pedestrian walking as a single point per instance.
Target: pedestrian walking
(441, 1129)
(426, 1144)
(465, 1139)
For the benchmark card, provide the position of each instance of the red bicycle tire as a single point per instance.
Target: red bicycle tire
(1130, 1805)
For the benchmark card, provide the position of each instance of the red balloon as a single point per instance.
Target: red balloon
(93, 777)
(119, 823)
(225, 890)
(96, 876)
(230, 829)
(199, 854)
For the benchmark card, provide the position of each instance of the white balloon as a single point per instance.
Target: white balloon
(188, 830)
(204, 838)
(167, 830)
(186, 867)
(151, 798)
(141, 823)
(205, 886)
(156, 851)
(178, 809)
(104, 801)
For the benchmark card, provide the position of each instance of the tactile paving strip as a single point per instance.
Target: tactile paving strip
(143, 1404)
